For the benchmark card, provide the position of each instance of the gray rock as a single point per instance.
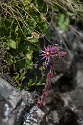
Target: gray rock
(12, 103)
(34, 117)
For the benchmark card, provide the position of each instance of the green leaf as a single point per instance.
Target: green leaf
(0, 21)
(33, 47)
(21, 64)
(23, 47)
(29, 64)
(33, 40)
(9, 60)
(16, 78)
(63, 22)
(29, 55)
(12, 44)
(67, 21)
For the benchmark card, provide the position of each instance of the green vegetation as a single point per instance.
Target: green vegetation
(22, 24)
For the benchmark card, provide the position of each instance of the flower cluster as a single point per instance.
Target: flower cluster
(52, 51)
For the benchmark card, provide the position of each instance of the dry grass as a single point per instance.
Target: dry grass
(69, 5)
(12, 8)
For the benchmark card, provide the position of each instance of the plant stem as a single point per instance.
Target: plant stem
(42, 100)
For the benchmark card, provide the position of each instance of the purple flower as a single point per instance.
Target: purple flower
(52, 51)
(62, 54)
(47, 53)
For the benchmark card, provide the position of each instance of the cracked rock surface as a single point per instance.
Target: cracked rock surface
(13, 103)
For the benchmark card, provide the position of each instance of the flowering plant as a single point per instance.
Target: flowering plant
(52, 51)
(49, 54)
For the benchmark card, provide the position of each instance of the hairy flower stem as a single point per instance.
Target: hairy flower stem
(42, 100)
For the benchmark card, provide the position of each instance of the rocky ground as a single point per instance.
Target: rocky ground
(64, 105)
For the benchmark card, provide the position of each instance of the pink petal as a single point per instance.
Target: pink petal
(44, 57)
(43, 54)
(43, 51)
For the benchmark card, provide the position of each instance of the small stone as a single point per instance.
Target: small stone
(34, 117)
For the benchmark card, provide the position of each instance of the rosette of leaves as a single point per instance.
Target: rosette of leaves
(22, 24)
